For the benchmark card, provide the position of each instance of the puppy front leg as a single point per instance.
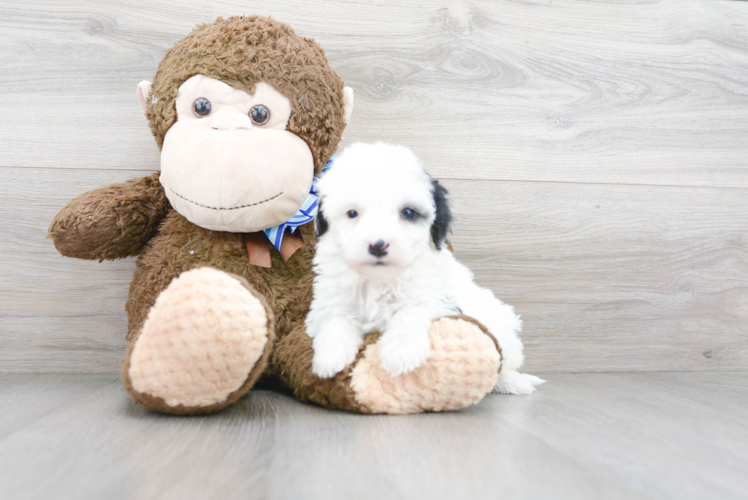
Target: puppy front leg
(405, 345)
(335, 347)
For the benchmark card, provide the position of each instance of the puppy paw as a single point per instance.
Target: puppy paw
(403, 352)
(513, 382)
(334, 350)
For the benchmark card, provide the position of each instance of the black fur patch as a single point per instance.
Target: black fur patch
(442, 225)
(320, 223)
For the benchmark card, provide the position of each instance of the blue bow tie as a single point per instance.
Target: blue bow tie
(306, 213)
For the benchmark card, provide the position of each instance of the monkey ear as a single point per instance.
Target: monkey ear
(347, 104)
(442, 224)
(320, 223)
(144, 94)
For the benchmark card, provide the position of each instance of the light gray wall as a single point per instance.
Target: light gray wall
(596, 152)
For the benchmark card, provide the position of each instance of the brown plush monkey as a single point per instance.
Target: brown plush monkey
(246, 112)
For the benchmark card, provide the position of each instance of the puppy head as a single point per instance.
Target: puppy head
(380, 210)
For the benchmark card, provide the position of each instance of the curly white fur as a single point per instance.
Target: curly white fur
(399, 291)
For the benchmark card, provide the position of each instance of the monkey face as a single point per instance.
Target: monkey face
(228, 163)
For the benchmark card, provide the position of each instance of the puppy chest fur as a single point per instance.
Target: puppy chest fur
(371, 304)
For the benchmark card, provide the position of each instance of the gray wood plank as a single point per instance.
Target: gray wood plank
(27, 397)
(605, 92)
(269, 446)
(613, 277)
(653, 435)
(470, 454)
(56, 313)
(650, 431)
(605, 277)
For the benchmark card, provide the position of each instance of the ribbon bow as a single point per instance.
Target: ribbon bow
(306, 213)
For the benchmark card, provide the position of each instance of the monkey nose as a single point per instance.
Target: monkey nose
(378, 249)
(227, 120)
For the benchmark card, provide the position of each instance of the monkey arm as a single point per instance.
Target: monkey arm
(111, 222)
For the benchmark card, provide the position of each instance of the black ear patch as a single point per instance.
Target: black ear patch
(443, 221)
(320, 223)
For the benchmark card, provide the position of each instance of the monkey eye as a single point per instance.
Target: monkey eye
(352, 214)
(408, 213)
(201, 107)
(259, 114)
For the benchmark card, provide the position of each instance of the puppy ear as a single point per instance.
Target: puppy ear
(320, 223)
(443, 221)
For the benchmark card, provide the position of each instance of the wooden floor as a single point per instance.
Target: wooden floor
(582, 436)
(597, 156)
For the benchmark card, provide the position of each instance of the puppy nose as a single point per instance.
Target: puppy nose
(378, 249)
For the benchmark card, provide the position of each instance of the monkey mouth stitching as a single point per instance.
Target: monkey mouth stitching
(231, 208)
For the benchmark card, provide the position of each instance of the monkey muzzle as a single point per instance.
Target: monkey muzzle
(230, 177)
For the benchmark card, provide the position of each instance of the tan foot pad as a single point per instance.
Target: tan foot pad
(463, 367)
(202, 338)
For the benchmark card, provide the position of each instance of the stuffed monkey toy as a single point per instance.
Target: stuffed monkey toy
(246, 113)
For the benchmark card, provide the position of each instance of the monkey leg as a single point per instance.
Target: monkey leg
(462, 368)
(204, 344)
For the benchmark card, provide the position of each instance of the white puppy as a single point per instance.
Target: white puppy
(381, 265)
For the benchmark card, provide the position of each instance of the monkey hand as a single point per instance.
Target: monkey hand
(111, 222)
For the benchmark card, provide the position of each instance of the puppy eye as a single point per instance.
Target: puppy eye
(201, 107)
(259, 114)
(408, 214)
(352, 214)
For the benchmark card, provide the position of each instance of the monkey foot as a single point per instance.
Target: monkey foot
(205, 342)
(463, 367)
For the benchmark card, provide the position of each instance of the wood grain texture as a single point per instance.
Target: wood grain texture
(56, 313)
(635, 92)
(31, 396)
(610, 277)
(606, 277)
(596, 153)
(582, 436)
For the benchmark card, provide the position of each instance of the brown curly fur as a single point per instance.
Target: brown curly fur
(242, 51)
(180, 245)
(110, 222)
(135, 218)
